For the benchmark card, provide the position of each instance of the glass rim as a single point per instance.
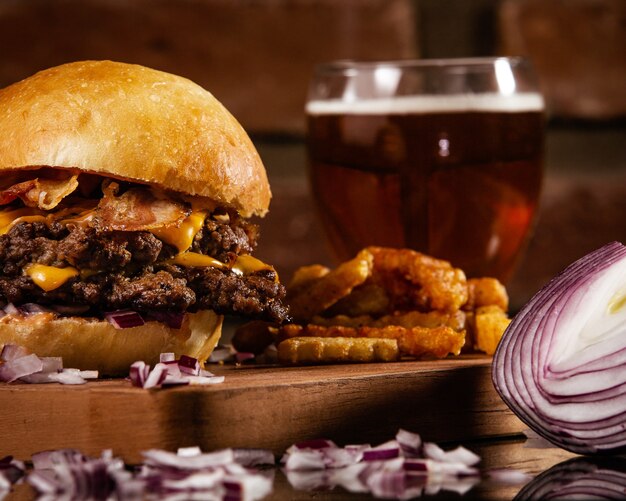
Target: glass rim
(350, 65)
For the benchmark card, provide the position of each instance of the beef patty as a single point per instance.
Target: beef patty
(130, 270)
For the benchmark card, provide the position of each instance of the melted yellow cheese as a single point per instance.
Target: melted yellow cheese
(182, 236)
(49, 277)
(246, 264)
(10, 217)
(193, 259)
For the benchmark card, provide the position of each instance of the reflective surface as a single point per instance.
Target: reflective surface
(551, 470)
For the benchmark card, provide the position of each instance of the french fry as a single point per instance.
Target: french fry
(415, 281)
(319, 350)
(330, 288)
(486, 291)
(414, 341)
(306, 275)
(366, 299)
(490, 322)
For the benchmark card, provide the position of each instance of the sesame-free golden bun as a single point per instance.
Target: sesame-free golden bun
(134, 123)
(90, 344)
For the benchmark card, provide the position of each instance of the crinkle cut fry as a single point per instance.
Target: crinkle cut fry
(413, 341)
(439, 285)
(431, 319)
(327, 290)
(312, 350)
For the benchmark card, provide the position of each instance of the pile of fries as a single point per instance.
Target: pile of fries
(383, 305)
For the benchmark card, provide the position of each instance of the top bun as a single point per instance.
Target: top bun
(135, 123)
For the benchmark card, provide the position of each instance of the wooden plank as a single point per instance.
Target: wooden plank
(269, 407)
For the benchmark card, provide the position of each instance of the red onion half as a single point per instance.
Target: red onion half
(561, 364)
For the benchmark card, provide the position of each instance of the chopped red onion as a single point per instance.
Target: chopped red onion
(138, 373)
(189, 451)
(207, 476)
(124, 319)
(64, 377)
(27, 309)
(52, 364)
(167, 357)
(317, 443)
(400, 468)
(11, 309)
(182, 372)
(302, 459)
(189, 365)
(560, 364)
(11, 471)
(28, 368)
(410, 443)
(20, 367)
(156, 457)
(171, 319)
(458, 455)
(67, 473)
(156, 376)
(379, 454)
(12, 351)
(253, 457)
(89, 374)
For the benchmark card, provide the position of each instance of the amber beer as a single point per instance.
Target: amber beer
(457, 177)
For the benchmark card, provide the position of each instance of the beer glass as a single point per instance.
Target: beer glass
(441, 156)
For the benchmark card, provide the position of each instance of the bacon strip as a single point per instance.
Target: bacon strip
(43, 193)
(137, 209)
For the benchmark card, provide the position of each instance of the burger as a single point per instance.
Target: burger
(126, 198)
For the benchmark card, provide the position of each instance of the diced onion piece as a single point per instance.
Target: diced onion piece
(20, 367)
(156, 376)
(169, 373)
(12, 351)
(410, 443)
(171, 319)
(167, 357)
(560, 364)
(124, 319)
(189, 365)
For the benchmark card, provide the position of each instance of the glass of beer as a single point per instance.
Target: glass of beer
(441, 156)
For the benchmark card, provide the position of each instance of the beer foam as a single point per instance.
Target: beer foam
(401, 105)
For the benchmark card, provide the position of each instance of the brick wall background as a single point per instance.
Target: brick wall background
(256, 56)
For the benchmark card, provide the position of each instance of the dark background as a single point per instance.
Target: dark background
(256, 56)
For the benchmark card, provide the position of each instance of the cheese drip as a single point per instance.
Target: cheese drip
(49, 277)
(9, 218)
(182, 236)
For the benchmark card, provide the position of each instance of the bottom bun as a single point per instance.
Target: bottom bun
(89, 344)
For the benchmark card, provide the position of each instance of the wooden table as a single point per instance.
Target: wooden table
(447, 401)
(268, 407)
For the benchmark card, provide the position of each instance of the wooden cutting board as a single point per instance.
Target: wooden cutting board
(268, 407)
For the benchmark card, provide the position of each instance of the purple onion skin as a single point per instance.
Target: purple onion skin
(522, 361)
(585, 477)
